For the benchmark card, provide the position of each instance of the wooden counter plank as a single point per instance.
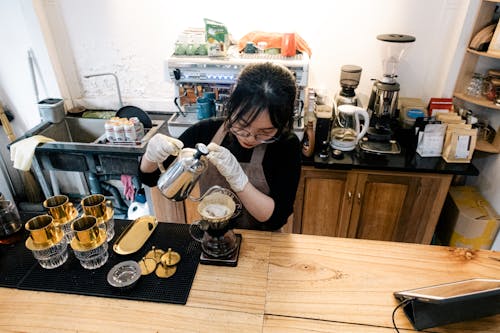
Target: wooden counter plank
(241, 288)
(278, 324)
(26, 311)
(351, 280)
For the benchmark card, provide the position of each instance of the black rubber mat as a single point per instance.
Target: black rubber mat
(72, 278)
(15, 262)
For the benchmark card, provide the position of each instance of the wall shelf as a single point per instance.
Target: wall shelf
(472, 61)
(484, 54)
(480, 101)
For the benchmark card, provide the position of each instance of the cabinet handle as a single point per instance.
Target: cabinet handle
(349, 195)
(359, 197)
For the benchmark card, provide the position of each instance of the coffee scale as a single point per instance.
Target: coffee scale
(383, 101)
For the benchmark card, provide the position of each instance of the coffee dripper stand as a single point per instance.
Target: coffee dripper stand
(383, 100)
(220, 245)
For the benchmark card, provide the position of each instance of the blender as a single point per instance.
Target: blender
(384, 97)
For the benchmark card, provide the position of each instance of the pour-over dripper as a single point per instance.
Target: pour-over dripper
(218, 206)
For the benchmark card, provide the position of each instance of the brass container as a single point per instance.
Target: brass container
(43, 232)
(59, 207)
(95, 205)
(87, 231)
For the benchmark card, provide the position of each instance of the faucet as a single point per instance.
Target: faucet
(117, 84)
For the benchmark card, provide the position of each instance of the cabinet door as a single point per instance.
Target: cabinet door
(397, 207)
(324, 201)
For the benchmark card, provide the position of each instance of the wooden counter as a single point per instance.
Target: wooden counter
(283, 283)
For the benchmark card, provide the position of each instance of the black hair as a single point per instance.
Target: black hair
(263, 87)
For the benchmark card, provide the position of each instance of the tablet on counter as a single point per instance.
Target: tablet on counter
(453, 291)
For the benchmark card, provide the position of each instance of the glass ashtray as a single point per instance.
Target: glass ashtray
(124, 274)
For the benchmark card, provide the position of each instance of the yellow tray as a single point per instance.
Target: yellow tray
(135, 235)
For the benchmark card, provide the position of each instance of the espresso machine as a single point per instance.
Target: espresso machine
(383, 101)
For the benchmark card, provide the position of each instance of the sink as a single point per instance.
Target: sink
(178, 123)
(80, 145)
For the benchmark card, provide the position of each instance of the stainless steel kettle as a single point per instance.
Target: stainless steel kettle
(177, 182)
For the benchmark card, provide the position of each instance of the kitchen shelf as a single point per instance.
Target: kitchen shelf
(473, 60)
(487, 147)
(481, 101)
(484, 54)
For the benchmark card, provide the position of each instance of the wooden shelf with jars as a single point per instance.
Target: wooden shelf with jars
(474, 59)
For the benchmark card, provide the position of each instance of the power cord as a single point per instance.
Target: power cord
(403, 303)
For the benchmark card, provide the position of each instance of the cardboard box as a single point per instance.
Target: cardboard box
(440, 105)
(467, 219)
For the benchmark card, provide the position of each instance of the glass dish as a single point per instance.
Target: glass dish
(124, 274)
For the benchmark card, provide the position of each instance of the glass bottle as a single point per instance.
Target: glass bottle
(308, 140)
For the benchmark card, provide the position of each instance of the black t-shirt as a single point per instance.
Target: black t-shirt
(281, 165)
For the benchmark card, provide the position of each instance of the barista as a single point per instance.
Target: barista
(252, 151)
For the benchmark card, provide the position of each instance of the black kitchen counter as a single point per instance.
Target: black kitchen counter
(407, 161)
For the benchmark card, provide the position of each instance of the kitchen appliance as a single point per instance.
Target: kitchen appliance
(349, 80)
(346, 128)
(195, 75)
(383, 100)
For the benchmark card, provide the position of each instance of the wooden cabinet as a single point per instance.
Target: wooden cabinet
(480, 62)
(392, 206)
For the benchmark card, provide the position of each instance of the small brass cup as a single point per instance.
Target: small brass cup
(42, 230)
(86, 230)
(58, 206)
(95, 205)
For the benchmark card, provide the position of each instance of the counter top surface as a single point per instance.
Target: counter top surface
(406, 161)
(283, 283)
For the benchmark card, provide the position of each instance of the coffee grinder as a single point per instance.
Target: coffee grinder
(349, 80)
(383, 102)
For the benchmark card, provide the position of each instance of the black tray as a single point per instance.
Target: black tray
(72, 278)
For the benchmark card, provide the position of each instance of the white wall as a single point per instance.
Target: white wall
(19, 32)
(132, 38)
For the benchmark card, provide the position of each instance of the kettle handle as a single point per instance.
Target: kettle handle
(366, 118)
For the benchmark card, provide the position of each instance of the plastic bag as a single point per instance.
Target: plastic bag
(217, 38)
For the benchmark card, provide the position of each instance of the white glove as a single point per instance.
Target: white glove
(161, 146)
(228, 166)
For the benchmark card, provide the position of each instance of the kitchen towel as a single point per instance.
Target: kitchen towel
(128, 188)
(22, 152)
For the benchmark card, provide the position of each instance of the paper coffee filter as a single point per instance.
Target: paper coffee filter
(216, 206)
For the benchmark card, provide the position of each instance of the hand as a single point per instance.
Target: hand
(228, 166)
(161, 146)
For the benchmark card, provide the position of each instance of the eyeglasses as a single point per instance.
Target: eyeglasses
(262, 138)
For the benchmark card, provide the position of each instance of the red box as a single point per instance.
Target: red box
(437, 105)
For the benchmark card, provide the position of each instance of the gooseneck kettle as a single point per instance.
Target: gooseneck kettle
(177, 182)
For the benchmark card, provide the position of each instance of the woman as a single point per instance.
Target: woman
(253, 151)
